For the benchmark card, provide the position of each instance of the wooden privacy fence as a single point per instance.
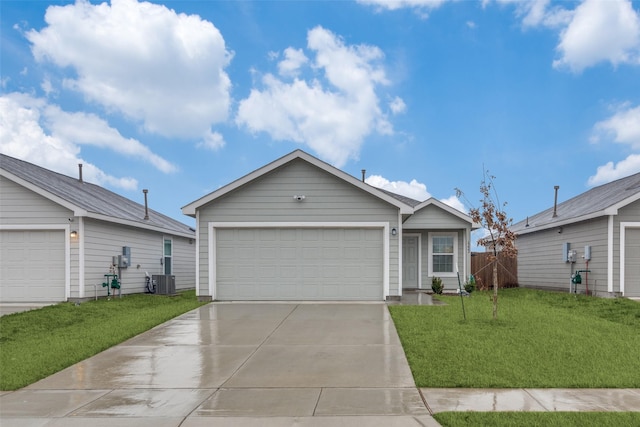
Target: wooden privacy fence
(482, 270)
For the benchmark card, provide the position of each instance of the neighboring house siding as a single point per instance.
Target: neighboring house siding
(184, 262)
(270, 199)
(540, 256)
(104, 240)
(21, 206)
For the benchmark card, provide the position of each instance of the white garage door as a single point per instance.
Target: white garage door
(299, 264)
(632, 262)
(32, 266)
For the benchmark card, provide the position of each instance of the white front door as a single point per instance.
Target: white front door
(410, 264)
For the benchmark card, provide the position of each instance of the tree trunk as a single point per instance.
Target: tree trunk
(495, 288)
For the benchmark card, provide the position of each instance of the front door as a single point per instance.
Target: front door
(410, 263)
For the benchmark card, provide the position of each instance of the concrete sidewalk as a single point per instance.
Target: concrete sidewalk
(538, 400)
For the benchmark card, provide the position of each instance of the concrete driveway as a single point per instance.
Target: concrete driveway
(238, 364)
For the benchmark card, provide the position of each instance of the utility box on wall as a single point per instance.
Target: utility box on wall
(565, 251)
(165, 284)
(126, 254)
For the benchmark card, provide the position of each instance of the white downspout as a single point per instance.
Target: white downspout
(81, 251)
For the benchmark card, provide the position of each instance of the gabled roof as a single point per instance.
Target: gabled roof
(190, 209)
(86, 199)
(453, 211)
(604, 200)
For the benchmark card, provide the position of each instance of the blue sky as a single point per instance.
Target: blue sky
(183, 97)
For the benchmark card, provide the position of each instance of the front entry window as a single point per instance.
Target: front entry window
(442, 256)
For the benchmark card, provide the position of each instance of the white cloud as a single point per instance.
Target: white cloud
(212, 141)
(32, 130)
(610, 171)
(455, 203)
(623, 127)
(397, 105)
(332, 111)
(420, 6)
(600, 31)
(154, 66)
(414, 189)
(294, 59)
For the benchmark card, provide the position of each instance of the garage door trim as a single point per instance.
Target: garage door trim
(67, 246)
(212, 226)
(623, 229)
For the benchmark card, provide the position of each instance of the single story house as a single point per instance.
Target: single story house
(59, 236)
(598, 230)
(301, 229)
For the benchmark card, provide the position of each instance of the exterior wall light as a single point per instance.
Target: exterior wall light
(73, 234)
(394, 231)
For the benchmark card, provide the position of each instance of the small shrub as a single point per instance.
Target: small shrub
(436, 285)
(470, 285)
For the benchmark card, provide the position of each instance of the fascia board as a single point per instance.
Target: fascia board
(136, 224)
(534, 228)
(77, 211)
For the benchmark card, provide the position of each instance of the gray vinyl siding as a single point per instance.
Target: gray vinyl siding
(21, 206)
(270, 199)
(432, 217)
(103, 240)
(540, 256)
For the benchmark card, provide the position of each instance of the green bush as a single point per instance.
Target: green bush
(436, 285)
(470, 285)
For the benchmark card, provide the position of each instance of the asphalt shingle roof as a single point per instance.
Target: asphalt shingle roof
(589, 203)
(89, 197)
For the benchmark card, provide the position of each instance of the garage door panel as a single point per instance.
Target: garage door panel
(632, 263)
(32, 266)
(302, 263)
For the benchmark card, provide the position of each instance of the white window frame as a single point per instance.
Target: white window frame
(164, 256)
(452, 234)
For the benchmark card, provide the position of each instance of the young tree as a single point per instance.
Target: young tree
(491, 215)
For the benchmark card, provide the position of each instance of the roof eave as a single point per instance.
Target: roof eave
(136, 224)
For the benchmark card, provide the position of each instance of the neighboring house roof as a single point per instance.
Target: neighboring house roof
(190, 209)
(86, 199)
(599, 201)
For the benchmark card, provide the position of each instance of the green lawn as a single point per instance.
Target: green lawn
(541, 339)
(38, 343)
(538, 419)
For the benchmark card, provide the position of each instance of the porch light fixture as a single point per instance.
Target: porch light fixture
(73, 234)
(394, 231)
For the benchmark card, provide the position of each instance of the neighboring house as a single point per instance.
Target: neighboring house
(58, 237)
(300, 229)
(603, 224)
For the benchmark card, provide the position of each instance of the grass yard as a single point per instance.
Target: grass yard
(539, 419)
(541, 339)
(38, 343)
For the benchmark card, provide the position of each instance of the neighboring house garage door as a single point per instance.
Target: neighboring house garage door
(632, 262)
(32, 266)
(299, 264)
